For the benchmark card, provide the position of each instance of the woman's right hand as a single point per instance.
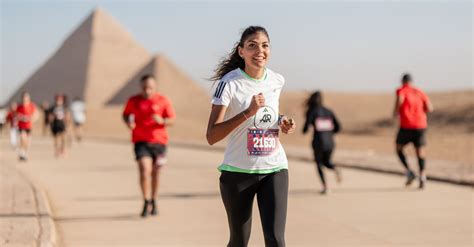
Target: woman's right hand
(257, 102)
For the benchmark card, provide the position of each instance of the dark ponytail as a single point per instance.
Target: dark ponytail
(233, 60)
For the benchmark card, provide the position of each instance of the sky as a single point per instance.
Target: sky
(350, 46)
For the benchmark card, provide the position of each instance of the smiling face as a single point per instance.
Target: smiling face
(255, 51)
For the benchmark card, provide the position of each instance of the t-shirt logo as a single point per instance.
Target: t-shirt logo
(265, 118)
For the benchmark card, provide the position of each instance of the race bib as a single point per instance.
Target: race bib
(324, 124)
(262, 142)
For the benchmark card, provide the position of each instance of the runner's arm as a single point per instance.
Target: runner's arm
(307, 123)
(398, 103)
(428, 107)
(126, 120)
(34, 116)
(50, 116)
(217, 128)
(127, 112)
(337, 125)
(68, 118)
(169, 121)
(166, 121)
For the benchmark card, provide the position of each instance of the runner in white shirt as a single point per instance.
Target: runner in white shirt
(247, 110)
(78, 111)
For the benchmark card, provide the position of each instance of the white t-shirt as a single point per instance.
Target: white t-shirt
(252, 147)
(78, 109)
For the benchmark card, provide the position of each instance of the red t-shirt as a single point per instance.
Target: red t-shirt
(412, 109)
(24, 114)
(146, 129)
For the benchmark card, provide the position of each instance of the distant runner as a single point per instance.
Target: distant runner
(324, 124)
(59, 118)
(78, 110)
(147, 115)
(26, 114)
(411, 106)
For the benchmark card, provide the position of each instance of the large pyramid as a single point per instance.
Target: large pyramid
(92, 63)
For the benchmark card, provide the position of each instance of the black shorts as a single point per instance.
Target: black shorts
(417, 136)
(156, 151)
(27, 131)
(58, 127)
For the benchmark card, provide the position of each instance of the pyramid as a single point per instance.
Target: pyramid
(91, 63)
(190, 101)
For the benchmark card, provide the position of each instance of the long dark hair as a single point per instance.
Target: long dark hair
(314, 101)
(233, 60)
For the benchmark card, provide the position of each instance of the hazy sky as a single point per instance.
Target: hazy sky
(337, 46)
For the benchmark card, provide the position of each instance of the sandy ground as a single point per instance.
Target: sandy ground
(96, 201)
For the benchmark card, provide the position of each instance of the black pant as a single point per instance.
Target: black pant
(238, 191)
(323, 158)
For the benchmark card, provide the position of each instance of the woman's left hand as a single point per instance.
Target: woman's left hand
(287, 125)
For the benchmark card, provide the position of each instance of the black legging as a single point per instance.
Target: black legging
(323, 158)
(238, 191)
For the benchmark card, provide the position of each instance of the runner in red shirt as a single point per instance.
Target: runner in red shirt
(412, 105)
(26, 115)
(147, 115)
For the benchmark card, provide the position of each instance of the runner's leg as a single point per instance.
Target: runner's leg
(272, 197)
(420, 154)
(318, 157)
(145, 168)
(237, 192)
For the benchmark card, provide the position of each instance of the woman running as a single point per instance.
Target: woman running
(324, 124)
(245, 107)
(59, 117)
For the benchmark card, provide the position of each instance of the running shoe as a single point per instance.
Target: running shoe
(410, 178)
(154, 209)
(145, 209)
(324, 191)
(23, 158)
(422, 182)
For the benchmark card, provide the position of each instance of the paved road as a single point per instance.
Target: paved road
(96, 201)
